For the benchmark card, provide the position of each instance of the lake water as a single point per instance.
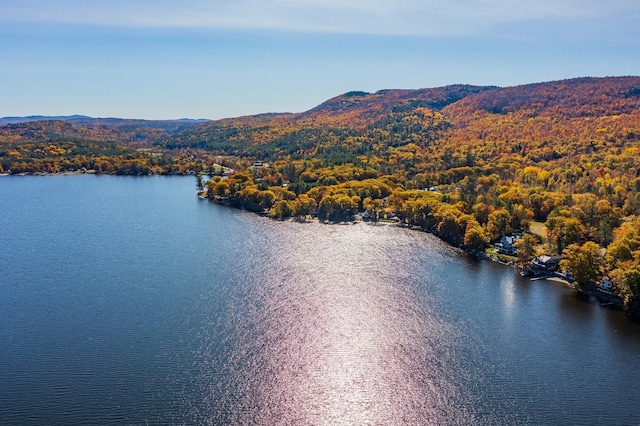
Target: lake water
(129, 301)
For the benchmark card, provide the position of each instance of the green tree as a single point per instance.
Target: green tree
(526, 249)
(499, 224)
(585, 262)
(289, 172)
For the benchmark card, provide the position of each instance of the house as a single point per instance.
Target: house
(507, 245)
(545, 266)
(605, 286)
(546, 263)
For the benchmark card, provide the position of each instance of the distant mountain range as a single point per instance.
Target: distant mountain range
(86, 120)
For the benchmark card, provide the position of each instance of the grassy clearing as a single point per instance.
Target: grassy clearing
(539, 229)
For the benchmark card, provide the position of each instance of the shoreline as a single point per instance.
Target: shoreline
(92, 172)
(603, 300)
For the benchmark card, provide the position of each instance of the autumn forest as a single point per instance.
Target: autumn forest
(557, 163)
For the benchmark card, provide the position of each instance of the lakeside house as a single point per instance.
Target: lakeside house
(605, 286)
(543, 266)
(546, 263)
(507, 245)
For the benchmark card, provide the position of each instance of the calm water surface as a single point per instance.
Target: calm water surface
(130, 301)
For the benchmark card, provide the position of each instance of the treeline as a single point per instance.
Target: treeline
(89, 156)
(469, 213)
(113, 146)
(124, 131)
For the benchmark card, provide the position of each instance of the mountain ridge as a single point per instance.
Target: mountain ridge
(88, 120)
(460, 106)
(494, 99)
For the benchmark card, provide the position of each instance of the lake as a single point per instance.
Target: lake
(130, 301)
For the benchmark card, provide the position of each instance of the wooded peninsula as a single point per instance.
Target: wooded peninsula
(556, 164)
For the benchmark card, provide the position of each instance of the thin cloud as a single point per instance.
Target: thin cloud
(408, 17)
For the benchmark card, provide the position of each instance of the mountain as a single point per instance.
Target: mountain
(549, 120)
(77, 127)
(536, 113)
(579, 97)
(267, 135)
(90, 121)
(361, 108)
(14, 120)
(572, 112)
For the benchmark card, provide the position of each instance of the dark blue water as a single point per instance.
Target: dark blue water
(130, 301)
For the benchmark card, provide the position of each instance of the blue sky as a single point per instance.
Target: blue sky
(160, 59)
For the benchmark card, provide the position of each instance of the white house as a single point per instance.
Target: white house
(507, 245)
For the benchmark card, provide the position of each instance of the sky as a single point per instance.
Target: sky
(160, 59)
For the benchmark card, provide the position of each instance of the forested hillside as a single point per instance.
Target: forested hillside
(331, 126)
(100, 145)
(470, 164)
